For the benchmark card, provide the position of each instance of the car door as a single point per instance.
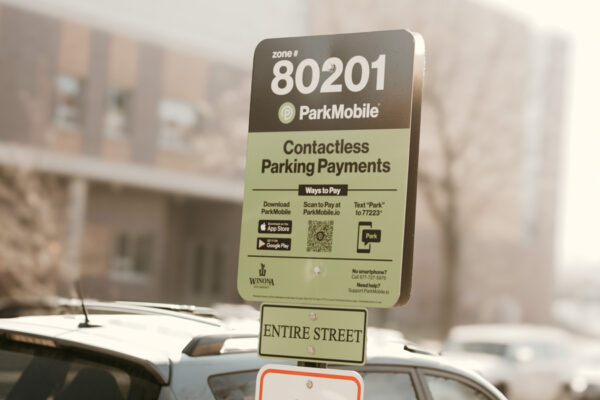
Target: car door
(540, 371)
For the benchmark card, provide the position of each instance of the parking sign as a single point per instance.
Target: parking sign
(330, 187)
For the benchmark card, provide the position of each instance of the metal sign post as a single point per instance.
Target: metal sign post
(329, 199)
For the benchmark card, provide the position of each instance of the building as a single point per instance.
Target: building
(151, 143)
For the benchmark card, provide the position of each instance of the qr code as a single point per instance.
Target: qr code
(320, 236)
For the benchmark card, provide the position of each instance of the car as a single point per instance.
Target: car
(526, 362)
(157, 351)
(586, 381)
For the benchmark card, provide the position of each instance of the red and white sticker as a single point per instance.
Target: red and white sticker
(281, 382)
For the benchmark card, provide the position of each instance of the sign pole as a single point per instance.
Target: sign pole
(330, 194)
(311, 364)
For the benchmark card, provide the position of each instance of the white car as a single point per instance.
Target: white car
(586, 381)
(525, 362)
(161, 352)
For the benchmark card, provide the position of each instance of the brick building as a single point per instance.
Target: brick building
(150, 142)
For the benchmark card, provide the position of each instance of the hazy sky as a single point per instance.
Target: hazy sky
(579, 212)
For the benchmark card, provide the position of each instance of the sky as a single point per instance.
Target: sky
(578, 215)
(578, 240)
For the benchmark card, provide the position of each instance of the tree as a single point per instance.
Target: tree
(474, 91)
(30, 238)
(31, 213)
(471, 135)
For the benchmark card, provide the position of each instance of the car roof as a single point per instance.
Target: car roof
(150, 335)
(506, 333)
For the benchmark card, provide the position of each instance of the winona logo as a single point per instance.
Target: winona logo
(262, 281)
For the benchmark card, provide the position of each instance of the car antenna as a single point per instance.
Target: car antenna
(86, 323)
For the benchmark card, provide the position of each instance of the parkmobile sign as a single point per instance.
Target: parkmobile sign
(331, 170)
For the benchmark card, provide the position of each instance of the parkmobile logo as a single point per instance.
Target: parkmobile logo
(286, 112)
(339, 111)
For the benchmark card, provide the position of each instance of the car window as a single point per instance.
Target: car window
(548, 350)
(443, 388)
(377, 385)
(233, 386)
(388, 386)
(37, 373)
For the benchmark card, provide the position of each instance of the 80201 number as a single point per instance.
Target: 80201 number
(283, 70)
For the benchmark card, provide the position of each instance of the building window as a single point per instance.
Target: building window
(218, 270)
(68, 107)
(118, 111)
(208, 266)
(132, 254)
(179, 122)
(199, 267)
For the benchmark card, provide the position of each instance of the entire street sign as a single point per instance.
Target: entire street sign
(276, 382)
(314, 334)
(331, 170)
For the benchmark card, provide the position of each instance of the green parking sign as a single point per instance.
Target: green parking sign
(330, 187)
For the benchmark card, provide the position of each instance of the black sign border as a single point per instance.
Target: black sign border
(413, 166)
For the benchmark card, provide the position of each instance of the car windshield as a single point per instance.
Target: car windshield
(497, 349)
(41, 373)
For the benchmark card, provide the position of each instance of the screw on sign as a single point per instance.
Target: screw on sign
(275, 382)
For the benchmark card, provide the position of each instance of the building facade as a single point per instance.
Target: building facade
(150, 142)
